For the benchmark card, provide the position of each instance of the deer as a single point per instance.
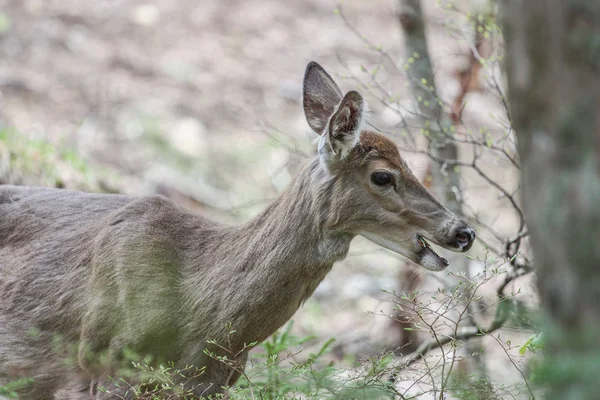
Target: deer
(111, 272)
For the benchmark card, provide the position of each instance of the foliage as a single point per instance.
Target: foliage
(36, 161)
(276, 372)
(533, 344)
(160, 382)
(10, 389)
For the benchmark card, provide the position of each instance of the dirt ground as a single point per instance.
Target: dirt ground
(201, 101)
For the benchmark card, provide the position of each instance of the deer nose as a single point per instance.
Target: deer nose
(464, 237)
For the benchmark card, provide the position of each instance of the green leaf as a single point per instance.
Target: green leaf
(488, 141)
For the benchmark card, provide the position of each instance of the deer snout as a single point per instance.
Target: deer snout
(463, 237)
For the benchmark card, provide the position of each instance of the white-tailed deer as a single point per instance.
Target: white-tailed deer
(112, 272)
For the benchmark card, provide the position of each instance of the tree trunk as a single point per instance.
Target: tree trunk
(553, 62)
(438, 127)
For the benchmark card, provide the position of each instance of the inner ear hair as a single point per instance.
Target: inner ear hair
(346, 123)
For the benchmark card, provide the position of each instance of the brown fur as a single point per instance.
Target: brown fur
(385, 148)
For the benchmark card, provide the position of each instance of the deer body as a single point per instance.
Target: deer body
(111, 272)
(145, 273)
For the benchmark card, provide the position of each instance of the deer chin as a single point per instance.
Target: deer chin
(429, 259)
(420, 252)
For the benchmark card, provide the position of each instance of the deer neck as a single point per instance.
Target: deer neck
(294, 231)
(263, 270)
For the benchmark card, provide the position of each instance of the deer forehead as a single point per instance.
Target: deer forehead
(387, 151)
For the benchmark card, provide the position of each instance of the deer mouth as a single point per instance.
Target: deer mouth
(428, 258)
(418, 250)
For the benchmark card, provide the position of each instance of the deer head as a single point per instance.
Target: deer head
(374, 193)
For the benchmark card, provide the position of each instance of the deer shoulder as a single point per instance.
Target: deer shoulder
(137, 278)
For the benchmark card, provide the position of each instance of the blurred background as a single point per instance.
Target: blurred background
(201, 102)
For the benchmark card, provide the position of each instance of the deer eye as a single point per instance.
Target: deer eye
(381, 178)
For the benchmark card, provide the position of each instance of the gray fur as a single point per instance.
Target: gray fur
(106, 273)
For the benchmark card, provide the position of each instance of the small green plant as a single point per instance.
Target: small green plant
(10, 389)
(533, 344)
(278, 371)
(157, 382)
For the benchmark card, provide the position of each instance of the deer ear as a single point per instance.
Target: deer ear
(345, 125)
(320, 96)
